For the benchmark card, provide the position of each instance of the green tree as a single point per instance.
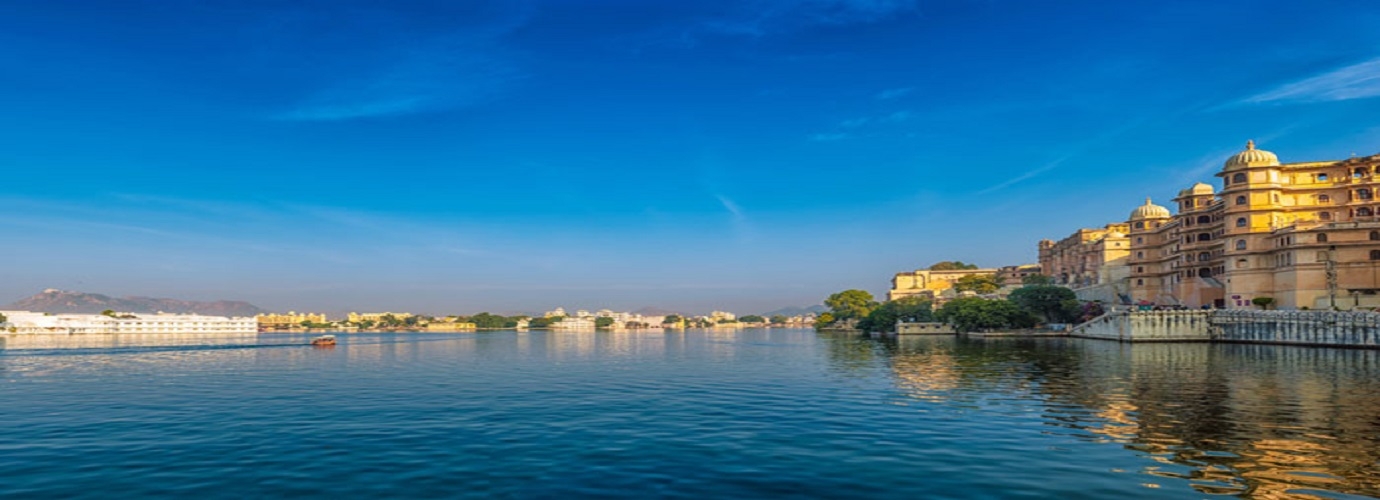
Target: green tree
(851, 304)
(108, 312)
(1263, 302)
(824, 320)
(489, 321)
(885, 316)
(970, 314)
(603, 322)
(1037, 279)
(3, 318)
(952, 265)
(980, 283)
(752, 318)
(671, 319)
(778, 319)
(1049, 302)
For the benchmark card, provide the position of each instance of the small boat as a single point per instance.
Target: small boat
(324, 340)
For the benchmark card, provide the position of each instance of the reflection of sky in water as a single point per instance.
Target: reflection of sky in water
(744, 414)
(1260, 421)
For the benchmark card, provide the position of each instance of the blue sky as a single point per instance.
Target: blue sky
(463, 156)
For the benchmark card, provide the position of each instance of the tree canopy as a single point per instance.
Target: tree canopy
(971, 314)
(851, 304)
(779, 318)
(1053, 304)
(1037, 279)
(952, 265)
(885, 316)
(823, 320)
(603, 322)
(980, 283)
(671, 319)
(752, 318)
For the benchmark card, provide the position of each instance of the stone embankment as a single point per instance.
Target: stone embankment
(1321, 328)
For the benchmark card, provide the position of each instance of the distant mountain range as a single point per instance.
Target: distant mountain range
(795, 311)
(60, 301)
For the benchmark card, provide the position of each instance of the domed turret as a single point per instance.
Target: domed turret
(1252, 157)
(1150, 211)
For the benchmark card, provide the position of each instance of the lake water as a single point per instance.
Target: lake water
(753, 413)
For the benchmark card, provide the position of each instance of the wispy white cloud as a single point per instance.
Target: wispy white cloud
(765, 17)
(894, 93)
(732, 207)
(432, 79)
(1029, 174)
(828, 137)
(1357, 81)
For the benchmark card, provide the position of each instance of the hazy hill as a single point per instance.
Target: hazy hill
(59, 301)
(795, 311)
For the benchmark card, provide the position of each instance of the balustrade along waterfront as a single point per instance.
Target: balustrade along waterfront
(690, 414)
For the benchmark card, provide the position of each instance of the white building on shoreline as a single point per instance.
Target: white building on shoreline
(37, 323)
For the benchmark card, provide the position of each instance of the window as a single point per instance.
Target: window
(1204, 236)
(1240, 222)
(1359, 173)
(1324, 215)
(1140, 269)
(1140, 282)
(1240, 200)
(1240, 244)
(1139, 240)
(1203, 219)
(1375, 255)
(1363, 194)
(1204, 272)
(1140, 225)
(1238, 178)
(1322, 237)
(1364, 212)
(1375, 236)
(1322, 198)
(1204, 256)
(1140, 255)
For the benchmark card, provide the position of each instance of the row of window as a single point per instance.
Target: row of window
(1282, 260)
(1357, 173)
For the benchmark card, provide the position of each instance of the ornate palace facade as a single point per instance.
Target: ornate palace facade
(1302, 235)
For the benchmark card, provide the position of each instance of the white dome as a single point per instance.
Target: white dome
(1252, 157)
(1149, 211)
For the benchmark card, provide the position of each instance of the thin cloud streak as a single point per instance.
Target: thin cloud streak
(1358, 81)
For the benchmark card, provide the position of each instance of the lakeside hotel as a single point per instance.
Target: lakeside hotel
(27, 322)
(1300, 235)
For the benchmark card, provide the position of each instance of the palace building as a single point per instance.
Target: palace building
(1295, 235)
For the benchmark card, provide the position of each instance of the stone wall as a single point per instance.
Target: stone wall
(1322, 328)
(1148, 326)
(1349, 329)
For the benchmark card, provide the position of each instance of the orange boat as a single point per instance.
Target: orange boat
(324, 340)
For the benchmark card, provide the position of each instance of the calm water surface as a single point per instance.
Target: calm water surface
(751, 413)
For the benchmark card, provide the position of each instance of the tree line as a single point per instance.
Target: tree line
(1036, 302)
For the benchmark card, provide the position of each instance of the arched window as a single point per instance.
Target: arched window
(1375, 255)
(1204, 256)
(1204, 272)
(1364, 212)
(1238, 178)
(1140, 255)
(1363, 194)
(1375, 236)
(1139, 240)
(1204, 236)
(1322, 198)
(1322, 177)
(1360, 172)
(1203, 219)
(1240, 200)
(1322, 237)
(1324, 215)
(1240, 222)
(1140, 225)
(1140, 282)
(1240, 244)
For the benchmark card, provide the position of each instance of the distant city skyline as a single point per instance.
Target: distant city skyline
(520, 156)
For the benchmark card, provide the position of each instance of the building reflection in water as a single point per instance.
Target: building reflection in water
(1257, 421)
